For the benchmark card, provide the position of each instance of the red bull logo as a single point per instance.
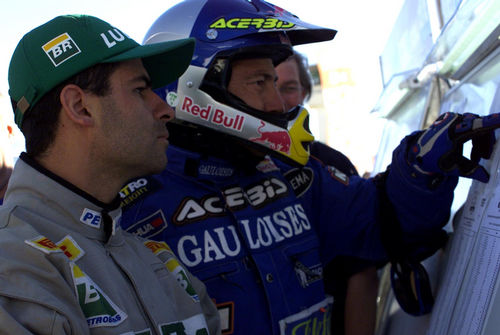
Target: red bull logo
(213, 115)
(275, 140)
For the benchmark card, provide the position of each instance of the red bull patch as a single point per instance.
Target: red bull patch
(276, 140)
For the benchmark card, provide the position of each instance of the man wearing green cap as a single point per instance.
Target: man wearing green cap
(82, 96)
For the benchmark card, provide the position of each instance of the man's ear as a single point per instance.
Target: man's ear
(74, 104)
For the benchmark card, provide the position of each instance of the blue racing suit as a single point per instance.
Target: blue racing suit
(259, 238)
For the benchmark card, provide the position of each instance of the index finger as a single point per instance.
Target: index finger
(472, 124)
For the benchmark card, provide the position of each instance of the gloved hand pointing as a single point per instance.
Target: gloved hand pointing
(439, 148)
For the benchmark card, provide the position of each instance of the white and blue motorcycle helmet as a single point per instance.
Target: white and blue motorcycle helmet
(226, 30)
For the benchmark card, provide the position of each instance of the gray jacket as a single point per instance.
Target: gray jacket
(64, 270)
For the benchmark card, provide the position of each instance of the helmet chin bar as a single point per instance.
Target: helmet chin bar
(298, 128)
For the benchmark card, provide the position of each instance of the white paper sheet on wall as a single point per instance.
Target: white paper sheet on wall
(473, 264)
(459, 251)
(481, 276)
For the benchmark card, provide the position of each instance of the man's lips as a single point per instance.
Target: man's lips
(163, 135)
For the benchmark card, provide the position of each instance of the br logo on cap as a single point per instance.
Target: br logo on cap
(60, 49)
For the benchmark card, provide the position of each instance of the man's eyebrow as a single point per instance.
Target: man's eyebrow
(260, 72)
(271, 76)
(290, 81)
(142, 78)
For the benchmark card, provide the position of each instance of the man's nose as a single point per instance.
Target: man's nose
(273, 102)
(162, 110)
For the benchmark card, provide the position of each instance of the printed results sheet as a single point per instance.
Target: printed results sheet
(473, 263)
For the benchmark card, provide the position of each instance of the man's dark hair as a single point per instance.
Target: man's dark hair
(304, 75)
(40, 123)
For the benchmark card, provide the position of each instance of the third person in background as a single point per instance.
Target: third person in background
(353, 283)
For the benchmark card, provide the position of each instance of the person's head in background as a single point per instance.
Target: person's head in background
(294, 80)
(6, 143)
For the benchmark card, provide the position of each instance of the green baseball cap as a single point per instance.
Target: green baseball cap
(69, 44)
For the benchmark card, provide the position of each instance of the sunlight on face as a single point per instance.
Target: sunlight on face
(132, 132)
(288, 83)
(254, 82)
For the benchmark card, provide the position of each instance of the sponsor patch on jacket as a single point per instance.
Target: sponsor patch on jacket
(300, 179)
(215, 170)
(43, 244)
(97, 307)
(67, 245)
(91, 218)
(338, 175)
(150, 226)
(180, 274)
(193, 325)
(137, 189)
(99, 310)
(226, 313)
(308, 275)
(157, 247)
(165, 254)
(267, 165)
(256, 232)
(257, 195)
(70, 248)
(313, 320)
